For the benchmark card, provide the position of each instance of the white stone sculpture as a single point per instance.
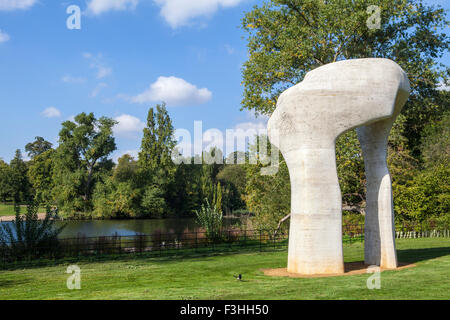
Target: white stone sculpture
(367, 94)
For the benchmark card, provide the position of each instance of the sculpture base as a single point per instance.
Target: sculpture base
(351, 268)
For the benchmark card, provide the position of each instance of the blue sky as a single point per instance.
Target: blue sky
(128, 55)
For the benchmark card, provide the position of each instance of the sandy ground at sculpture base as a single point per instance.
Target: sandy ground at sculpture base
(351, 268)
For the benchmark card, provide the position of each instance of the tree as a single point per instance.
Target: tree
(435, 146)
(40, 174)
(80, 159)
(350, 169)
(267, 196)
(426, 195)
(118, 195)
(38, 147)
(424, 192)
(155, 160)
(21, 188)
(153, 202)
(5, 181)
(233, 179)
(126, 169)
(218, 196)
(115, 199)
(186, 195)
(288, 38)
(210, 189)
(157, 142)
(423, 108)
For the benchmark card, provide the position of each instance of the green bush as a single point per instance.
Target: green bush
(426, 196)
(113, 200)
(29, 236)
(153, 202)
(211, 219)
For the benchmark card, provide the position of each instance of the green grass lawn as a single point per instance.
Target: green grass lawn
(8, 210)
(211, 277)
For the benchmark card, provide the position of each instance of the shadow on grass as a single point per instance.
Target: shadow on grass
(11, 283)
(203, 254)
(417, 255)
(200, 254)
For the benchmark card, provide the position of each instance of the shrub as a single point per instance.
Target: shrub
(427, 194)
(211, 219)
(28, 235)
(153, 202)
(112, 200)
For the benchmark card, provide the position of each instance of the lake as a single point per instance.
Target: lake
(96, 228)
(129, 227)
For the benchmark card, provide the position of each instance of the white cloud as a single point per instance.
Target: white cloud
(51, 112)
(70, 79)
(178, 13)
(175, 92)
(230, 50)
(258, 126)
(97, 63)
(128, 124)
(87, 55)
(443, 87)
(133, 153)
(244, 133)
(9, 5)
(3, 36)
(230, 140)
(97, 89)
(103, 72)
(97, 7)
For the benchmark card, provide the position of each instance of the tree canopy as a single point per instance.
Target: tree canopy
(84, 147)
(288, 38)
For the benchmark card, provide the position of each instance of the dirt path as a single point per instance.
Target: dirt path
(41, 216)
(351, 268)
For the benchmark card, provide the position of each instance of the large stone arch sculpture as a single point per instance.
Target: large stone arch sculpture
(367, 94)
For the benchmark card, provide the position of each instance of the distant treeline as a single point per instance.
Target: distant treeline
(81, 180)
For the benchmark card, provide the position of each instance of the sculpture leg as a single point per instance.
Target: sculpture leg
(379, 246)
(315, 239)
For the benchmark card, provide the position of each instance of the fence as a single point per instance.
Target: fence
(159, 244)
(156, 244)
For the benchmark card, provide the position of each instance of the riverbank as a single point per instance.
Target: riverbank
(41, 216)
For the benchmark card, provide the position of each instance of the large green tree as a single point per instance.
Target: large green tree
(37, 147)
(40, 174)
(158, 141)
(233, 179)
(288, 38)
(20, 185)
(267, 196)
(118, 195)
(5, 181)
(435, 146)
(186, 195)
(80, 159)
(422, 190)
(156, 167)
